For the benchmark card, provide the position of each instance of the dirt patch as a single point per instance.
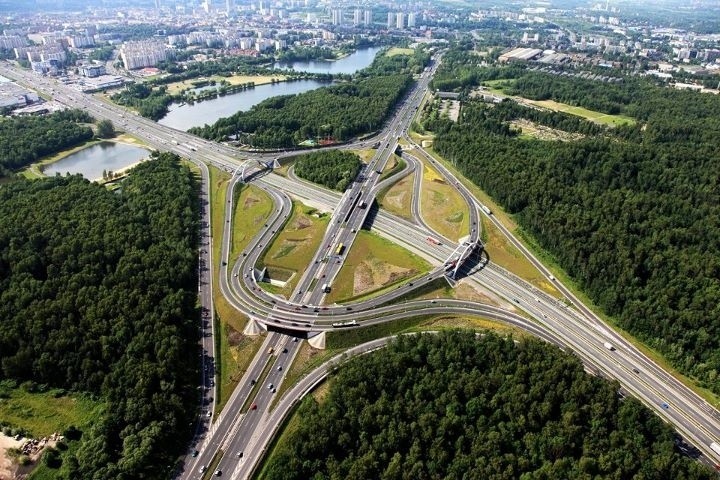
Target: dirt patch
(30, 448)
(475, 294)
(373, 273)
(395, 199)
(250, 201)
(234, 337)
(7, 467)
(301, 223)
(542, 132)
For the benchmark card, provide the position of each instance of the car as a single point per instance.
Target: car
(270, 386)
(433, 301)
(254, 406)
(295, 339)
(203, 469)
(208, 414)
(195, 453)
(274, 390)
(252, 381)
(636, 370)
(240, 454)
(218, 473)
(665, 405)
(279, 368)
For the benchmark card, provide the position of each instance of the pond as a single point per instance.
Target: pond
(92, 161)
(350, 64)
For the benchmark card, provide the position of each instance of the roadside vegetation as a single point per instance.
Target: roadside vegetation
(556, 421)
(372, 265)
(334, 169)
(234, 349)
(292, 250)
(397, 199)
(442, 207)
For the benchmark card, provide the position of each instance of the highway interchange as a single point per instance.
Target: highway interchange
(248, 431)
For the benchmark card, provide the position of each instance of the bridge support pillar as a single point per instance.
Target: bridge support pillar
(318, 341)
(254, 328)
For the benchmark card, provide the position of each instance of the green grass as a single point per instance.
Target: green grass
(399, 51)
(442, 206)
(279, 442)
(397, 198)
(382, 264)
(252, 209)
(234, 359)
(593, 116)
(42, 414)
(303, 231)
(393, 166)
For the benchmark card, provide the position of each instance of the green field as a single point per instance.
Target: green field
(397, 198)
(373, 264)
(399, 51)
(496, 87)
(597, 117)
(42, 414)
(442, 207)
(294, 247)
(252, 208)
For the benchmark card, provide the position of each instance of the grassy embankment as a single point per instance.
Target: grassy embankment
(442, 207)
(235, 349)
(372, 266)
(292, 250)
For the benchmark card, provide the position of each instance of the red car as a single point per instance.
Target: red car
(254, 406)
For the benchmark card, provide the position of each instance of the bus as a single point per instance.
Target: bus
(340, 249)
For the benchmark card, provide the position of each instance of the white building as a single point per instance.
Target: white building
(390, 20)
(357, 16)
(411, 20)
(400, 23)
(143, 54)
(337, 15)
(367, 20)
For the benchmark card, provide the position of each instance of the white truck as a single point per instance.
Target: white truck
(715, 447)
(609, 346)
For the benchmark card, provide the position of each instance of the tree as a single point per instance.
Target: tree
(105, 129)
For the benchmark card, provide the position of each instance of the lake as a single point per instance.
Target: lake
(185, 116)
(350, 64)
(90, 162)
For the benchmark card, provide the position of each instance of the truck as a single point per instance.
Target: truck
(433, 241)
(485, 209)
(609, 346)
(715, 447)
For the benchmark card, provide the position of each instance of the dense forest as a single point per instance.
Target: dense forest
(632, 213)
(454, 405)
(334, 169)
(97, 295)
(23, 140)
(148, 101)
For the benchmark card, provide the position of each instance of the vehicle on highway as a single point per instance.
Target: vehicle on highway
(254, 406)
(240, 454)
(203, 469)
(609, 346)
(665, 405)
(715, 447)
(218, 473)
